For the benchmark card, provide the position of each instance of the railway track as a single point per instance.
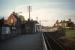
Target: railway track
(52, 44)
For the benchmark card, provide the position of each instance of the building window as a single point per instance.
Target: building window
(11, 20)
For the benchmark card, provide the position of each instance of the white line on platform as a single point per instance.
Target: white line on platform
(44, 42)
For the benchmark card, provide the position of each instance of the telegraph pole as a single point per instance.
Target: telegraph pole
(29, 9)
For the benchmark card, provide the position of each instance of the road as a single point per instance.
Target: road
(23, 42)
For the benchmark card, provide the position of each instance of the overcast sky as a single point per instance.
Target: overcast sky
(48, 11)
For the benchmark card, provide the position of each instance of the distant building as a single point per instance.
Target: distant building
(38, 27)
(14, 19)
(64, 24)
(11, 19)
(15, 22)
(30, 26)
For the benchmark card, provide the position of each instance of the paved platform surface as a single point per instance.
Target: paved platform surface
(23, 42)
